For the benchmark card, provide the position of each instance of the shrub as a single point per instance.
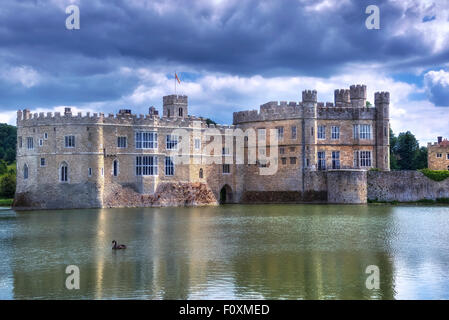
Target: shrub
(8, 185)
(435, 175)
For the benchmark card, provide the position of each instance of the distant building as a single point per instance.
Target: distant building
(438, 154)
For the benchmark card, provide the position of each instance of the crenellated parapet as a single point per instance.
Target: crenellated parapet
(342, 97)
(309, 96)
(381, 97)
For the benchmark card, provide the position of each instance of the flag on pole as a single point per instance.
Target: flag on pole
(177, 79)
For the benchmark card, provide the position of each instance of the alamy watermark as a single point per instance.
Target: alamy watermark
(73, 280)
(73, 20)
(373, 280)
(373, 20)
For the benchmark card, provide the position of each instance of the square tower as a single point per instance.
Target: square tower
(175, 106)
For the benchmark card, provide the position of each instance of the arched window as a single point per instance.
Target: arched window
(201, 173)
(64, 172)
(115, 168)
(180, 112)
(25, 171)
(168, 113)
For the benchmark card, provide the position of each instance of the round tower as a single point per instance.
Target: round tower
(382, 103)
(342, 97)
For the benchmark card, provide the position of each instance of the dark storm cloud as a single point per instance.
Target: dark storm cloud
(242, 38)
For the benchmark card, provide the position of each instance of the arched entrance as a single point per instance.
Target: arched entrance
(226, 194)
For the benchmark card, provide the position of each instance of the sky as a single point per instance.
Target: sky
(231, 55)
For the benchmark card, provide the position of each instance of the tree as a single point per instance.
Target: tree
(405, 151)
(421, 159)
(8, 185)
(393, 156)
(3, 167)
(8, 141)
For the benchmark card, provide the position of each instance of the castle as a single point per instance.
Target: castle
(322, 152)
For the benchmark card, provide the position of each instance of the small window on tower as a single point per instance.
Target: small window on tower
(180, 112)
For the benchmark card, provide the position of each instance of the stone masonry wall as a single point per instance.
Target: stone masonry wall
(404, 186)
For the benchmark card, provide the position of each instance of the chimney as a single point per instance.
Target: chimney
(440, 139)
(67, 111)
(124, 111)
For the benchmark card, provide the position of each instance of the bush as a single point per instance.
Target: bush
(8, 185)
(3, 167)
(435, 175)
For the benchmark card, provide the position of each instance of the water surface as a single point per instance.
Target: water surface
(227, 252)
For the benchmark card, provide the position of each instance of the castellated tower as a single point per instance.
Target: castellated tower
(175, 106)
(342, 98)
(382, 103)
(358, 96)
(309, 128)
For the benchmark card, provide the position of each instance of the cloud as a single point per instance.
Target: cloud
(24, 75)
(437, 87)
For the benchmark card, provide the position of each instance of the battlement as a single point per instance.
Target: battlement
(124, 116)
(381, 97)
(342, 96)
(357, 91)
(309, 96)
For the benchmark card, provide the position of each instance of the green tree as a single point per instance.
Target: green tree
(393, 155)
(407, 150)
(8, 141)
(8, 185)
(3, 167)
(421, 159)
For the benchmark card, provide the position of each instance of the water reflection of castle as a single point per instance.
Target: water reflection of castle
(199, 254)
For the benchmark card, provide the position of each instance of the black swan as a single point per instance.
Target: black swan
(116, 247)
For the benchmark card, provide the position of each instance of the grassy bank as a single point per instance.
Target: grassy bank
(444, 201)
(6, 202)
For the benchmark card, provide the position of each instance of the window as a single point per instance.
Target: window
(262, 134)
(146, 140)
(25, 171)
(335, 159)
(321, 160)
(365, 158)
(172, 142)
(292, 149)
(294, 132)
(41, 142)
(89, 172)
(42, 162)
(225, 151)
(20, 142)
(70, 141)
(447, 156)
(102, 172)
(439, 155)
(226, 168)
(146, 166)
(355, 131)
(280, 131)
(292, 160)
(356, 159)
(64, 172)
(115, 168)
(169, 166)
(335, 133)
(311, 132)
(281, 150)
(180, 112)
(284, 160)
(45, 135)
(30, 143)
(122, 142)
(197, 144)
(321, 132)
(201, 173)
(365, 131)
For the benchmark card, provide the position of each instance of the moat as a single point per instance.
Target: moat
(227, 252)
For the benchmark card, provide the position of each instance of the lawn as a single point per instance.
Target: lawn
(6, 202)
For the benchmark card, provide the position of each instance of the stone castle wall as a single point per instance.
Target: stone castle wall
(404, 186)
